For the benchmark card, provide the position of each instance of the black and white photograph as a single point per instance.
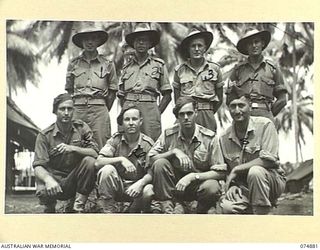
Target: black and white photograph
(112, 117)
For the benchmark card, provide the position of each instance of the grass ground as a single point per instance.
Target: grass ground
(289, 204)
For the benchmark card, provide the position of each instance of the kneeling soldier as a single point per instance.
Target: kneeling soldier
(123, 174)
(64, 159)
(250, 148)
(187, 162)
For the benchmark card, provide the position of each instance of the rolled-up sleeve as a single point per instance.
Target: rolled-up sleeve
(157, 148)
(270, 143)
(164, 81)
(41, 155)
(109, 149)
(113, 78)
(216, 157)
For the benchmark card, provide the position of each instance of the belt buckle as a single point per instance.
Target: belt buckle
(254, 105)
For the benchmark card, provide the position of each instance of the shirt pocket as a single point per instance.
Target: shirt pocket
(187, 87)
(267, 85)
(101, 72)
(251, 152)
(201, 160)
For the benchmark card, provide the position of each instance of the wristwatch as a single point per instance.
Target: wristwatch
(197, 177)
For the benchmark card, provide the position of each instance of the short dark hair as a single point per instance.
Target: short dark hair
(125, 108)
(235, 92)
(181, 102)
(59, 99)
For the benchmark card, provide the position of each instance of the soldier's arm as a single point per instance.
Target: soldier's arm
(69, 87)
(165, 100)
(52, 186)
(217, 105)
(110, 98)
(279, 104)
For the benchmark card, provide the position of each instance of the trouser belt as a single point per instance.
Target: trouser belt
(87, 100)
(138, 97)
(205, 105)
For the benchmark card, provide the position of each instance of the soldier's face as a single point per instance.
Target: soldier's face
(240, 109)
(142, 44)
(90, 42)
(187, 116)
(255, 46)
(132, 121)
(65, 112)
(197, 48)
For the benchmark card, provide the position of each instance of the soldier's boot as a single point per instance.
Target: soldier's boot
(167, 207)
(67, 206)
(179, 208)
(50, 208)
(155, 207)
(80, 202)
(262, 210)
(107, 206)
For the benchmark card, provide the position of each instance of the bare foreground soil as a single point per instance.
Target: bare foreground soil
(289, 204)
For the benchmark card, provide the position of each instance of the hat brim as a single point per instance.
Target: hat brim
(78, 38)
(184, 46)
(153, 35)
(242, 46)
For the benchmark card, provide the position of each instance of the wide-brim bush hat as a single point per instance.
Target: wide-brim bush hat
(194, 33)
(88, 30)
(242, 45)
(143, 29)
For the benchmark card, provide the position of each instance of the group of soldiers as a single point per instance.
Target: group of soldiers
(235, 173)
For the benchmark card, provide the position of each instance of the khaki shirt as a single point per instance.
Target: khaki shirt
(151, 77)
(263, 83)
(91, 78)
(118, 146)
(204, 150)
(202, 84)
(62, 164)
(262, 142)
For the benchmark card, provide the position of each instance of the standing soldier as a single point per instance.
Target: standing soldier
(92, 80)
(199, 78)
(259, 77)
(143, 78)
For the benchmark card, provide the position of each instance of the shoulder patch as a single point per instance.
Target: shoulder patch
(172, 130)
(75, 59)
(105, 58)
(116, 134)
(78, 122)
(147, 139)
(157, 59)
(48, 129)
(206, 131)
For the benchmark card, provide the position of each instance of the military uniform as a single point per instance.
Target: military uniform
(141, 85)
(263, 84)
(205, 154)
(202, 86)
(114, 180)
(90, 82)
(73, 172)
(261, 186)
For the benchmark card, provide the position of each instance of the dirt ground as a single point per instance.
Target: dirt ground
(289, 204)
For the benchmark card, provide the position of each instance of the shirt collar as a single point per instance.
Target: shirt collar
(203, 66)
(134, 59)
(123, 139)
(250, 129)
(262, 63)
(195, 136)
(98, 58)
(56, 129)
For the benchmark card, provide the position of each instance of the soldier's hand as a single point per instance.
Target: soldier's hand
(64, 148)
(233, 193)
(128, 165)
(184, 182)
(52, 186)
(230, 177)
(184, 160)
(135, 189)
